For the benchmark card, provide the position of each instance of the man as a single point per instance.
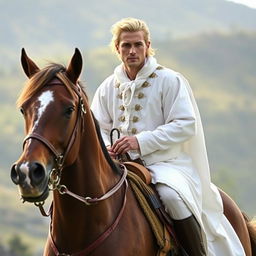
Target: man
(156, 113)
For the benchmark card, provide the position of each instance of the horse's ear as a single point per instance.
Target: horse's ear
(29, 67)
(75, 66)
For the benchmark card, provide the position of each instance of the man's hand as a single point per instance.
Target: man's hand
(111, 153)
(124, 144)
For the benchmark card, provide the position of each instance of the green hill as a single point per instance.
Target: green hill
(56, 26)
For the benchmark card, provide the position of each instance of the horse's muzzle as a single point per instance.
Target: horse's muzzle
(32, 179)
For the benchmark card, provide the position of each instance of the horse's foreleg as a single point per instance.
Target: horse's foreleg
(236, 219)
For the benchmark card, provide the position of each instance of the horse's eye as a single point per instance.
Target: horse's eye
(22, 111)
(69, 111)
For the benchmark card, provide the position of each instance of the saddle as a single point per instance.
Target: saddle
(139, 179)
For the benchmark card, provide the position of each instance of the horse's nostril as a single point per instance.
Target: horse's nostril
(37, 173)
(14, 175)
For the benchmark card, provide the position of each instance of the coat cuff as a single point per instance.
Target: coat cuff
(145, 142)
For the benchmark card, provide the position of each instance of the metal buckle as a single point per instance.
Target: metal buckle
(54, 179)
(38, 204)
(82, 106)
(62, 189)
(59, 160)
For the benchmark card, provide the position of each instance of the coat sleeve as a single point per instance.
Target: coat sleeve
(179, 116)
(100, 111)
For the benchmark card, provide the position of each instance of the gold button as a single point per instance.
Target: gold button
(119, 96)
(121, 107)
(135, 119)
(137, 107)
(117, 85)
(134, 130)
(121, 118)
(141, 95)
(145, 84)
(153, 75)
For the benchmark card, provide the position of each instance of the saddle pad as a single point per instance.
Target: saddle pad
(140, 170)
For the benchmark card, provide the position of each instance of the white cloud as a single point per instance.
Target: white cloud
(249, 3)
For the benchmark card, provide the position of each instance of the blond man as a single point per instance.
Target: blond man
(155, 111)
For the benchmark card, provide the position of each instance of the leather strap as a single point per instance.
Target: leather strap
(99, 240)
(88, 200)
(43, 140)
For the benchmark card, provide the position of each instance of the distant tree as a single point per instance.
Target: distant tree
(3, 251)
(228, 181)
(17, 247)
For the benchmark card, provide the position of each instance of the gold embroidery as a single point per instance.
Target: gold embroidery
(159, 68)
(153, 75)
(135, 119)
(134, 130)
(121, 118)
(141, 95)
(121, 107)
(145, 84)
(137, 107)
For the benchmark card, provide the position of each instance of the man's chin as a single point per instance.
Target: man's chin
(135, 64)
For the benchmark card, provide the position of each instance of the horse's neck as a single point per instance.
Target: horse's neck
(89, 176)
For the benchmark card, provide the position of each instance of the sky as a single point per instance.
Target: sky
(250, 3)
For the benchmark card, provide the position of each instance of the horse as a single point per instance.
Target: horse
(94, 211)
(63, 147)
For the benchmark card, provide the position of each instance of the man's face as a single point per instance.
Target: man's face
(132, 49)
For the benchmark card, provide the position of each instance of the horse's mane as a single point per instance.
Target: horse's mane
(43, 77)
(112, 164)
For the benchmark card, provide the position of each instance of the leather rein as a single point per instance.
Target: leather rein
(55, 178)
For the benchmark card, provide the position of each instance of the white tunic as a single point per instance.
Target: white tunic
(158, 107)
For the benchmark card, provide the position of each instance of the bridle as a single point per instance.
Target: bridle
(55, 176)
(59, 158)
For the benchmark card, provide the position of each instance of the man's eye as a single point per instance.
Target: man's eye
(126, 45)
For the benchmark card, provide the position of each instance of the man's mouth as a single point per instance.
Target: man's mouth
(132, 58)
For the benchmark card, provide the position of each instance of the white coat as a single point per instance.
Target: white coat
(159, 108)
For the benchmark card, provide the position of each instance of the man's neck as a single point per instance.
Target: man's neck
(132, 71)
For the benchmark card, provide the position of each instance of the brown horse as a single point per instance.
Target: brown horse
(63, 148)
(93, 211)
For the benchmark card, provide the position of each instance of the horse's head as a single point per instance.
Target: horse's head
(52, 106)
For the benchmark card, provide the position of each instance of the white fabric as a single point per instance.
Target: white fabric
(127, 86)
(171, 140)
(174, 204)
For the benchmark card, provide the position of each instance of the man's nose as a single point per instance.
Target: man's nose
(132, 50)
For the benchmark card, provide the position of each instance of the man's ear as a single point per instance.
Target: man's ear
(148, 44)
(117, 48)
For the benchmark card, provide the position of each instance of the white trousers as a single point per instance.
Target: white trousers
(173, 203)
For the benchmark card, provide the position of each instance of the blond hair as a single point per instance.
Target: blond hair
(130, 25)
